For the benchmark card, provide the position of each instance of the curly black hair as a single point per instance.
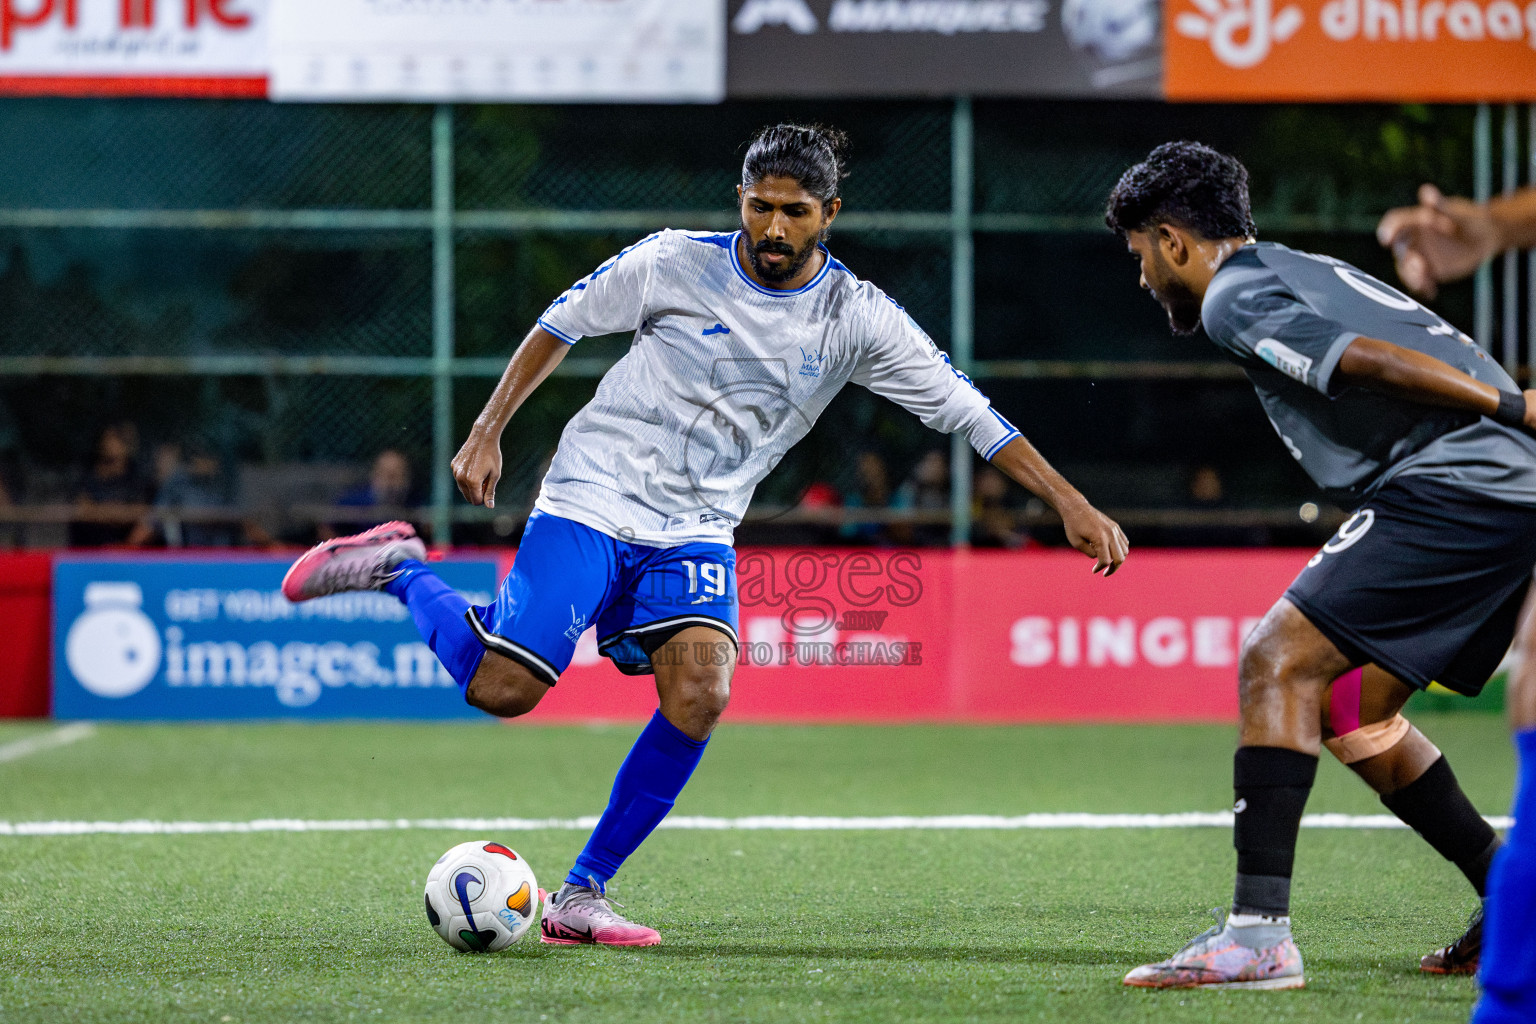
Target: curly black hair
(1183, 183)
(812, 154)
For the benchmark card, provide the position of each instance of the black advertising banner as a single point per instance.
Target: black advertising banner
(916, 48)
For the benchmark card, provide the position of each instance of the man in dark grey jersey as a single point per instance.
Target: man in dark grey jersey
(1400, 416)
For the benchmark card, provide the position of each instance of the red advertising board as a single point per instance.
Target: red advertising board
(909, 635)
(25, 581)
(861, 635)
(133, 47)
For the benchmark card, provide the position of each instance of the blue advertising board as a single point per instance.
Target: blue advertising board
(214, 638)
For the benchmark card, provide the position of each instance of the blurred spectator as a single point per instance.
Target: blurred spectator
(389, 482)
(196, 483)
(388, 487)
(873, 491)
(819, 497)
(1205, 487)
(1207, 491)
(113, 489)
(927, 489)
(164, 464)
(992, 519)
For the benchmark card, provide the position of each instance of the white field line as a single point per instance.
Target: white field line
(1194, 819)
(62, 736)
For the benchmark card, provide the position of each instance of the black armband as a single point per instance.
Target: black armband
(1511, 410)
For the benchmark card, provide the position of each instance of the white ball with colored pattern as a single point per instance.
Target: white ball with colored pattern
(481, 897)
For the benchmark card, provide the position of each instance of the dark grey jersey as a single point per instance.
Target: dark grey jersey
(1286, 317)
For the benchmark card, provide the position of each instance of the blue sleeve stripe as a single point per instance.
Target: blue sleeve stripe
(1000, 419)
(945, 356)
(999, 446)
(557, 332)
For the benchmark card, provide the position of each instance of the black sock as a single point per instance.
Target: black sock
(1434, 806)
(1271, 784)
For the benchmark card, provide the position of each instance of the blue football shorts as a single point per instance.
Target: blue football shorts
(568, 577)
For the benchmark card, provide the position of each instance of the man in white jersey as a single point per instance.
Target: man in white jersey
(740, 341)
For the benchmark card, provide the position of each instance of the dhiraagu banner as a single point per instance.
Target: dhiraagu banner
(214, 638)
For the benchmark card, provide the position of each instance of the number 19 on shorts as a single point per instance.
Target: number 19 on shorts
(712, 577)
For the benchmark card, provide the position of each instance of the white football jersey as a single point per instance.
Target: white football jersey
(722, 378)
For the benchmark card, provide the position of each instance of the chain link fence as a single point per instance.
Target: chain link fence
(292, 286)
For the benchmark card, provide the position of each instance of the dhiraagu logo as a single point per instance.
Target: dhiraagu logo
(1240, 32)
(113, 649)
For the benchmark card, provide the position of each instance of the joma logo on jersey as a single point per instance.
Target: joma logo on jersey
(717, 329)
(811, 367)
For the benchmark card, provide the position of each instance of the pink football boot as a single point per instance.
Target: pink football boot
(582, 915)
(363, 561)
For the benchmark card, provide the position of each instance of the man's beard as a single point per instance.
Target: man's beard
(1182, 307)
(786, 270)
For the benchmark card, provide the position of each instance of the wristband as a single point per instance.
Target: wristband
(1511, 411)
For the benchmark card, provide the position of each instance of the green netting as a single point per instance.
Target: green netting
(505, 281)
(1315, 161)
(338, 289)
(81, 292)
(200, 154)
(348, 419)
(912, 269)
(688, 158)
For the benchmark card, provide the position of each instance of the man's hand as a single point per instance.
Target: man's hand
(1442, 239)
(1089, 530)
(477, 468)
(1096, 535)
(1530, 411)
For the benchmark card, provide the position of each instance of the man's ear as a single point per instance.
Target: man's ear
(1174, 244)
(830, 210)
(740, 195)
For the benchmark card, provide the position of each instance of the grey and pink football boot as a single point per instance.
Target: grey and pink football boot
(363, 561)
(1215, 959)
(583, 915)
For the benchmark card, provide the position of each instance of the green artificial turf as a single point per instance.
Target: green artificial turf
(761, 926)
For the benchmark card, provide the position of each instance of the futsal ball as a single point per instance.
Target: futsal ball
(481, 897)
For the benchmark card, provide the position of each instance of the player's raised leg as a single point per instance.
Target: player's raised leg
(693, 680)
(390, 558)
(505, 657)
(1286, 667)
(1508, 969)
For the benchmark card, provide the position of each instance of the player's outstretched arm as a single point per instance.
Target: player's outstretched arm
(1089, 530)
(477, 467)
(1383, 366)
(1445, 238)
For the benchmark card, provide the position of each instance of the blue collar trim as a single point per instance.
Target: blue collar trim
(826, 265)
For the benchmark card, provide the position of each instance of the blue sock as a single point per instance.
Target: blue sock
(1508, 968)
(439, 613)
(649, 780)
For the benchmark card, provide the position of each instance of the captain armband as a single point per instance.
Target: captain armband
(1369, 740)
